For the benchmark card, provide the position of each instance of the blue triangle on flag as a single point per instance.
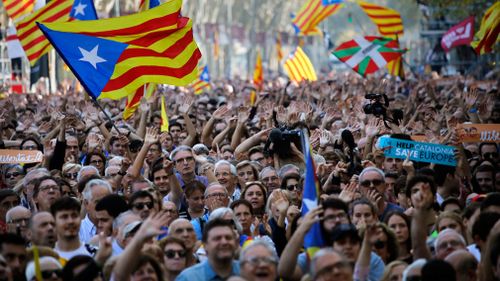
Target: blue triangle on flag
(83, 10)
(205, 76)
(91, 59)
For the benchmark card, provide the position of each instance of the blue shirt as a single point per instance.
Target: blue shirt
(201, 179)
(203, 271)
(198, 229)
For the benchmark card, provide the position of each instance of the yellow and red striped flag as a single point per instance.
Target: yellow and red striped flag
(299, 67)
(279, 51)
(16, 9)
(164, 116)
(312, 13)
(387, 20)
(32, 39)
(389, 24)
(119, 55)
(489, 31)
(203, 81)
(258, 73)
(133, 100)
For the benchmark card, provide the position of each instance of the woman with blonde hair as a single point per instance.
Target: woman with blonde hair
(70, 173)
(394, 271)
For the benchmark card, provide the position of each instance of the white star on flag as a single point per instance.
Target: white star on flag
(91, 57)
(79, 9)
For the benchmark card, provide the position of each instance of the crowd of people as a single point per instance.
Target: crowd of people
(219, 194)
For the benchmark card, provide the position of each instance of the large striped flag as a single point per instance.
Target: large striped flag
(366, 55)
(299, 67)
(489, 31)
(389, 24)
(258, 73)
(34, 43)
(387, 20)
(312, 13)
(16, 9)
(313, 240)
(203, 81)
(134, 99)
(114, 57)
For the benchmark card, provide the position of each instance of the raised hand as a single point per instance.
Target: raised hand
(470, 98)
(186, 105)
(144, 105)
(220, 112)
(324, 138)
(349, 192)
(93, 141)
(281, 114)
(168, 166)
(373, 127)
(243, 114)
(151, 136)
(151, 227)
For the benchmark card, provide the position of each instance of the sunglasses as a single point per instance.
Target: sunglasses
(490, 155)
(71, 175)
(46, 274)
(367, 183)
(11, 175)
(291, 187)
(170, 254)
(379, 244)
(140, 206)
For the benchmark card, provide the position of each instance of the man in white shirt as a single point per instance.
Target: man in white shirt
(94, 191)
(66, 212)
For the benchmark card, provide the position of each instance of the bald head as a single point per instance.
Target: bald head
(464, 263)
(184, 230)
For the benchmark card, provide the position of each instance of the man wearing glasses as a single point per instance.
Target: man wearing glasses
(184, 161)
(216, 196)
(372, 186)
(18, 220)
(259, 261)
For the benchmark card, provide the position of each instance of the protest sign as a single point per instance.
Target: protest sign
(418, 151)
(8, 156)
(479, 132)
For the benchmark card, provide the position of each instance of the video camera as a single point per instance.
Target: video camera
(378, 106)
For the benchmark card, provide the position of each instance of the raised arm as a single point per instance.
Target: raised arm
(150, 138)
(422, 203)
(129, 259)
(191, 130)
(243, 115)
(206, 135)
(287, 267)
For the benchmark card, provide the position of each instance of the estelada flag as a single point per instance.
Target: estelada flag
(114, 57)
(460, 34)
(488, 34)
(366, 55)
(258, 75)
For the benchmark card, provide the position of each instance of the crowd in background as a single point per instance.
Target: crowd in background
(218, 196)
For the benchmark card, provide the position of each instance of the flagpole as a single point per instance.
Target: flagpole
(107, 115)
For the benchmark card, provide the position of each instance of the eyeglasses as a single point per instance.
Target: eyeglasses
(171, 211)
(336, 217)
(49, 187)
(12, 175)
(446, 244)
(255, 261)
(219, 195)
(182, 160)
(368, 183)
(46, 274)
(270, 179)
(140, 206)
(19, 221)
(379, 244)
(71, 175)
(170, 254)
(96, 162)
(291, 187)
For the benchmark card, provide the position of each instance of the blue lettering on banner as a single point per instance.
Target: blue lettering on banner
(419, 151)
(330, 2)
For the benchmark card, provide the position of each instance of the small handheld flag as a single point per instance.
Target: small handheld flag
(164, 116)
